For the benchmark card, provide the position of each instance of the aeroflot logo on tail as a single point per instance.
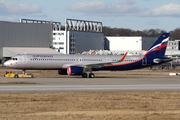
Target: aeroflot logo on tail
(42, 55)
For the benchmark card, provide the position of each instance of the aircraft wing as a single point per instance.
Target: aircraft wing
(95, 65)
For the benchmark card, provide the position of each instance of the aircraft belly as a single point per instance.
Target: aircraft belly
(125, 66)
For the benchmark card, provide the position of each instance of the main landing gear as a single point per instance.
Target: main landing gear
(84, 75)
(91, 75)
(87, 69)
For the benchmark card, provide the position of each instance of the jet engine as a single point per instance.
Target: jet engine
(75, 70)
(62, 72)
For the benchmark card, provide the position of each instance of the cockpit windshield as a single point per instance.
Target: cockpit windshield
(13, 59)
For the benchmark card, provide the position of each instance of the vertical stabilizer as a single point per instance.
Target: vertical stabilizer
(159, 47)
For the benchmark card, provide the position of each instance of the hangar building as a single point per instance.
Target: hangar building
(19, 35)
(128, 43)
(142, 44)
(173, 47)
(37, 36)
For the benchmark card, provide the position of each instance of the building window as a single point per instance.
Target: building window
(168, 48)
(61, 38)
(55, 43)
(58, 43)
(60, 33)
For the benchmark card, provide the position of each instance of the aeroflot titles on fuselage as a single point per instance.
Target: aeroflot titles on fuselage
(42, 55)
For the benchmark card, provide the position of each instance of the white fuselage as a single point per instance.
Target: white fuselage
(60, 61)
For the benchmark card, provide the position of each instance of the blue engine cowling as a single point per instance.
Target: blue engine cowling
(74, 70)
(62, 72)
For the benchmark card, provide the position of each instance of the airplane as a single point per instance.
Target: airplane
(73, 64)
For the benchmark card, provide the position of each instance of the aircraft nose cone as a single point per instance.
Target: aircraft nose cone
(7, 64)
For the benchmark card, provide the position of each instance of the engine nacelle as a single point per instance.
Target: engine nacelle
(62, 72)
(74, 70)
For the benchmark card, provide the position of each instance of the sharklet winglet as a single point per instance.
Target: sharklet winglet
(92, 52)
(122, 59)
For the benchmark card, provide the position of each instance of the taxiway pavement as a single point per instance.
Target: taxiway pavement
(79, 84)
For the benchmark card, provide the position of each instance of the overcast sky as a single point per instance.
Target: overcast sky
(132, 14)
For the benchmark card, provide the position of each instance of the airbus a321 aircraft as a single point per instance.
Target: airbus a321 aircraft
(81, 64)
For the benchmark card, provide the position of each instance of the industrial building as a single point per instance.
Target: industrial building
(13, 34)
(138, 45)
(37, 36)
(173, 45)
(78, 36)
(173, 48)
(133, 45)
(128, 43)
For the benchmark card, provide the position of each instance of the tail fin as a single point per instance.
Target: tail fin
(159, 47)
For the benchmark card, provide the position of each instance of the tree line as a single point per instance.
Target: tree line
(108, 31)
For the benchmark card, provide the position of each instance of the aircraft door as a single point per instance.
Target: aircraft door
(18, 62)
(80, 60)
(24, 59)
(108, 59)
(144, 61)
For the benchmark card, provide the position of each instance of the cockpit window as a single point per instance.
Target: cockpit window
(13, 59)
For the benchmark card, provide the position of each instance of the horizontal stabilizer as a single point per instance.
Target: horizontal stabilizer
(158, 60)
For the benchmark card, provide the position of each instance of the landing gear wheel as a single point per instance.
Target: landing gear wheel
(91, 75)
(84, 75)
